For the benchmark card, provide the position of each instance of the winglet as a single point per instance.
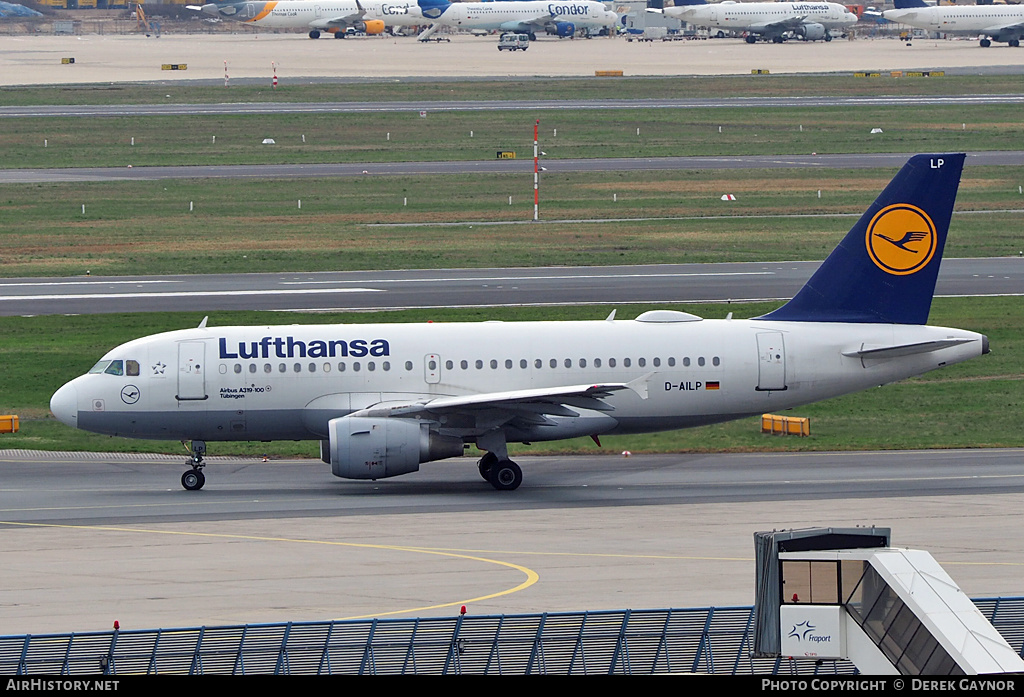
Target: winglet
(884, 270)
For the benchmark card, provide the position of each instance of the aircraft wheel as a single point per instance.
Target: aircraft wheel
(193, 480)
(751, 39)
(506, 476)
(339, 34)
(314, 34)
(1014, 43)
(486, 464)
(985, 43)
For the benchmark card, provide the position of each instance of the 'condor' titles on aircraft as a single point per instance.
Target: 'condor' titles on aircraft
(562, 17)
(383, 399)
(332, 16)
(992, 22)
(774, 21)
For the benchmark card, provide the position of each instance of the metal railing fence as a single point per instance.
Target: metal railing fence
(694, 640)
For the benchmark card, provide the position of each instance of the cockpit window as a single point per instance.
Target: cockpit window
(116, 368)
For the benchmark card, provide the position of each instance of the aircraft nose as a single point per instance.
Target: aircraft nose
(64, 405)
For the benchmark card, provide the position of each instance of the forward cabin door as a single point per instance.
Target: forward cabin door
(191, 370)
(771, 361)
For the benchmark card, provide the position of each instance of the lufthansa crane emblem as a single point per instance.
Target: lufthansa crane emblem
(901, 239)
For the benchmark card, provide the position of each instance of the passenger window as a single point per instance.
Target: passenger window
(554, 363)
(671, 361)
(252, 367)
(657, 362)
(464, 365)
(508, 363)
(341, 367)
(386, 365)
(523, 363)
(494, 364)
(538, 363)
(583, 362)
(597, 362)
(266, 368)
(641, 362)
(131, 367)
(626, 363)
(238, 368)
(611, 362)
(408, 365)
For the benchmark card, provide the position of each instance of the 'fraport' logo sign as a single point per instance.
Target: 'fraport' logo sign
(901, 239)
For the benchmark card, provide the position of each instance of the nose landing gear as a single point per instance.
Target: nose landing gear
(194, 479)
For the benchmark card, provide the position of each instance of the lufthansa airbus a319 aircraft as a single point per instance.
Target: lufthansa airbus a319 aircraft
(383, 399)
(331, 16)
(811, 21)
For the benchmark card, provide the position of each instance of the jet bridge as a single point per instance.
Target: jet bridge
(845, 593)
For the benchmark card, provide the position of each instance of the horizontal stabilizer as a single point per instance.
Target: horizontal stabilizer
(901, 350)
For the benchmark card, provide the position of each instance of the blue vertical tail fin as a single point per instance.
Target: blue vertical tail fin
(432, 9)
(908, 4)
(885, 268)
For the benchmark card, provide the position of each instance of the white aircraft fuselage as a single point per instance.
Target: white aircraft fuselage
(812, 20)
(370, 16)
(519, 15)
(287, 383)
(1000, 22)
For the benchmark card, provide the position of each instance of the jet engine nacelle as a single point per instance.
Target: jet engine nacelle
(370, 26)
(812, 32)
(564, 29)
(361, 447)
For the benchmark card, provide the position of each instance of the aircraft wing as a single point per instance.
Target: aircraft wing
(779, 26)
(1018, 27)
(340, 20)
(555, 401)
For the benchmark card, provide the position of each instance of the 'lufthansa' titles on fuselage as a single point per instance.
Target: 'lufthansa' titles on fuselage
(290, 347)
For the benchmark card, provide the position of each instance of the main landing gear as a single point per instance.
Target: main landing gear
(194, 479)
(504, 475)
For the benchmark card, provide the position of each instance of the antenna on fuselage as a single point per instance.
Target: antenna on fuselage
(202, 325)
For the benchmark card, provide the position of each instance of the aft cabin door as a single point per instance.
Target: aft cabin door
(771, 361)
(191, 370)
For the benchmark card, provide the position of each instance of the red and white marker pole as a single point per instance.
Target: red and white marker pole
(536, 174)
(274, 67)
(225, 73)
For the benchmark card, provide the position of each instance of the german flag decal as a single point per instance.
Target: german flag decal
(711, 385)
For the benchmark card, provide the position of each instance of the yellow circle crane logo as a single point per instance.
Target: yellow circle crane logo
(901, 239)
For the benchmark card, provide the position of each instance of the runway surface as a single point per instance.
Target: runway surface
(446, 288)
(93, 539)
